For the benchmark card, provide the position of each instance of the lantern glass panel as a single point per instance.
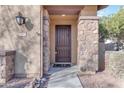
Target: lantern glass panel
(20, 20)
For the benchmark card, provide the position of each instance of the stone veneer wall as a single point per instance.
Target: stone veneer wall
(25, 39)
(46, 42)
(7, 63)
(88, 43)
(114, 63)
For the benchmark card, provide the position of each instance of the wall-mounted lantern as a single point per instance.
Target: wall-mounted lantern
(20, 19)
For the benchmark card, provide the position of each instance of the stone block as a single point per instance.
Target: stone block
(46, 45)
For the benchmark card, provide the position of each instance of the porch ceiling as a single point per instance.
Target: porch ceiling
(68, 10)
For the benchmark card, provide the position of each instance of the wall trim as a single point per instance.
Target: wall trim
(88, 18)
(28, 75)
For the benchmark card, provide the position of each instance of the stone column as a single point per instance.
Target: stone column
(88, 44)
(2, 68)
(46, 43)
(7, 63)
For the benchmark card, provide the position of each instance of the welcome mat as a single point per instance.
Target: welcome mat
(61, 65)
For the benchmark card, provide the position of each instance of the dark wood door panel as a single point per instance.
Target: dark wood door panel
(63, 43)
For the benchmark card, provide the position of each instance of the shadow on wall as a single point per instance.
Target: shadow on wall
(28, 24)
(101, 65)
(20, 63)
(25, 48)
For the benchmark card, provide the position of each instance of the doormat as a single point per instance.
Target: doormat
(61, 65)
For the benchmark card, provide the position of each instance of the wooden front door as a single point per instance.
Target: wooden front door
(63, 43)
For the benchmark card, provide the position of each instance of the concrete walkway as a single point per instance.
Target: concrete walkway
(63, 77)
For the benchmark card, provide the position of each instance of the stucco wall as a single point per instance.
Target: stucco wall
(89, 10)
(24, 39)
(63, 20)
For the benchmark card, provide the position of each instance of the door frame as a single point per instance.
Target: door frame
(70, 41)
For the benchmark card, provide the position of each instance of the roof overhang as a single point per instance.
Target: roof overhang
(99, 7)
(67, 9)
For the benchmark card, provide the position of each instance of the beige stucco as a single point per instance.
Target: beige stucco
(89, 10)
(63, 20)
(25, 39)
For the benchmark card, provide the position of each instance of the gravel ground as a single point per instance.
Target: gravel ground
(16, 83)
(100, 80)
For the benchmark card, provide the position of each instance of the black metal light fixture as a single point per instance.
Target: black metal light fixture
(20, 19)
